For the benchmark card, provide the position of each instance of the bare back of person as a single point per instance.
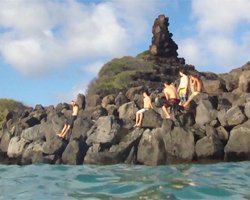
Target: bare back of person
(147, 103)
(170, 92)
(183, 82)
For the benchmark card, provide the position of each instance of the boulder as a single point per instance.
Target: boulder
(167, 126)
(224, 103)
(235, 116)
(222, 117)
(98, 112)
(95, 155)
(34, 133)
(5, 140)
(230, 96)
(62, 106)
(81, 127)
(185, 119)
(53, 144)
(241, 99)
(198, 131)
(107, 131)
(209, 147)
(247, 110)
(238, 147)
(222, 133)
(34, 153)
(244, 81)
(112, 110)
(210, 130)
(204, 112)
(38, 107)
(179, 145)
(151, 149)
(231, 80)
(93, 100)
(127, 111)
(81, 101)
(124, 147)
(29, 122)
(214, 87)
(109, 99)
(138, 99)
(132, 91)
(151, 119)
(16, 147)
(74, 152)
(121, 99)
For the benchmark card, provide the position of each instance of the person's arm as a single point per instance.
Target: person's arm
(150, 104)
(179, 87)
(166, 94)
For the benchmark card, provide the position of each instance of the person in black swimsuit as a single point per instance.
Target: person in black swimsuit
(70, 121)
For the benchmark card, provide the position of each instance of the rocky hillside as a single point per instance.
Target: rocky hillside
(7, 105)
(215, 128)
(149, 68)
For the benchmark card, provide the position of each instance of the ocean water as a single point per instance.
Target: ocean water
(92, 182)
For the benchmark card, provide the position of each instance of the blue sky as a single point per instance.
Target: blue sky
(51, 49)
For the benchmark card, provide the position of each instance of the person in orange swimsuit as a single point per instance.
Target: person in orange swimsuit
(196, 86)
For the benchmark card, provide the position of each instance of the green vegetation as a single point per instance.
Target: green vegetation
(118, 74)
(144, 55)
(7, 105)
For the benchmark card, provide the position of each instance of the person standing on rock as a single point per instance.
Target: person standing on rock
(70, 121)
(147, 104)
(183, 86)
(171, 96)
(196, 86)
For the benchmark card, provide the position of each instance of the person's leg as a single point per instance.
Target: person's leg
(140, 119)
(166, 112)
(186, 104)
(136, 119)
(65, 132)
(64, 128)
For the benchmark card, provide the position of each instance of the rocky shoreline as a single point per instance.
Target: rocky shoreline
(103, 133)
(215, 128)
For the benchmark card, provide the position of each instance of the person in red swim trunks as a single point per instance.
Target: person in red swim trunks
(170, 93)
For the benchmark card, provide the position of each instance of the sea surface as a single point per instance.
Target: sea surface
(91, 182)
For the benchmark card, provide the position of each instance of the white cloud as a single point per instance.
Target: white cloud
(221, 16)
(68, 96)
(93, 68)
(218, 45)
(39, 36)
(193, 52)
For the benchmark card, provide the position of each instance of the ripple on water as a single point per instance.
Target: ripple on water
(215, 181)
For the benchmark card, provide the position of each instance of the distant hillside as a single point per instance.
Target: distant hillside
(7, 105)
(119, 74)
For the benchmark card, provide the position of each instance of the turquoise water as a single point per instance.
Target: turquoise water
(215, 181)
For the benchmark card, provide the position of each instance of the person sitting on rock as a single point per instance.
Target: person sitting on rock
(70, 121)
(183, 86)
(171, 96)
(147, 104)
(196, 87)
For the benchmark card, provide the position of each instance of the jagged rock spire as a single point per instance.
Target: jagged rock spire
(162, 43)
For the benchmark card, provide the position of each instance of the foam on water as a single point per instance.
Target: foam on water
(91, 182)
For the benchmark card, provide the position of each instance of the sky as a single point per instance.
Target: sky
(51, 49)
